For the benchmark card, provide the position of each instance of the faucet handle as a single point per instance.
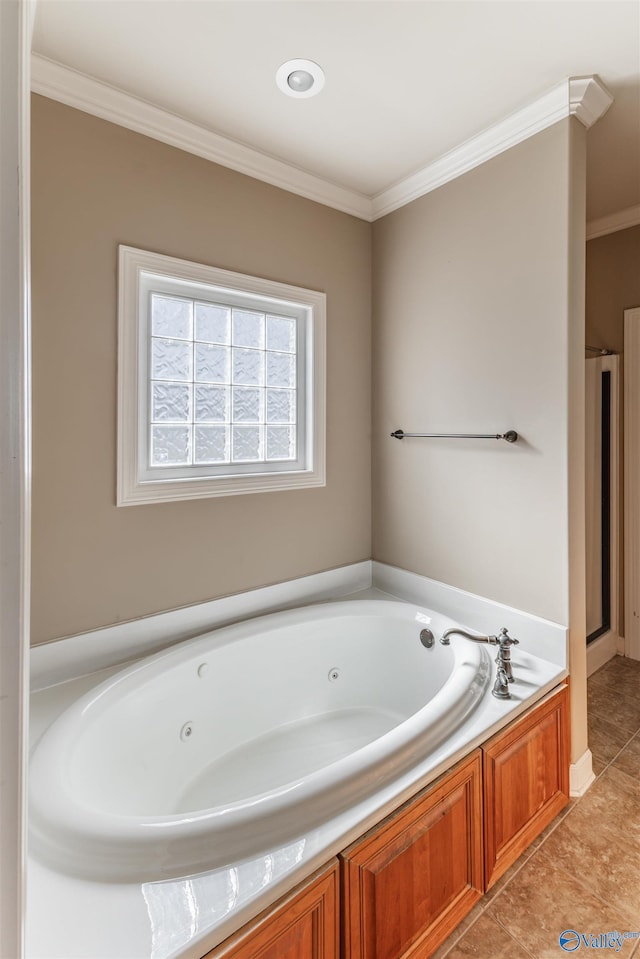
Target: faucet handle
(503, 659)
(501, 686)
(505, 640)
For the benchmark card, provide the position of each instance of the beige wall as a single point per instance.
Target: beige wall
(613, 286)
(96, 185)
(478, 311)
(477, 316)
(471, 328)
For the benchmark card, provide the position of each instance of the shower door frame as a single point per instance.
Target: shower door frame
(607, 642)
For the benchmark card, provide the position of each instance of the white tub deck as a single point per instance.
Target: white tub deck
(72, 918)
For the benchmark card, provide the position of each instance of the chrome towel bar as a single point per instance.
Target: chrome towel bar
(510, 436)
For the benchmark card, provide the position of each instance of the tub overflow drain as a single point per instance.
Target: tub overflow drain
(186, 732)
(427, 638)
(334, 673)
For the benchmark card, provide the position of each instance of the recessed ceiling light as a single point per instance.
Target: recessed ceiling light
(300, 78)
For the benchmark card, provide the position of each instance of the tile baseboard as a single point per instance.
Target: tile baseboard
(581, 775)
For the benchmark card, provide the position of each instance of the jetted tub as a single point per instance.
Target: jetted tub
(229, 744)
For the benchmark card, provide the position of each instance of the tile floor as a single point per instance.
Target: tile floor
(583, 872)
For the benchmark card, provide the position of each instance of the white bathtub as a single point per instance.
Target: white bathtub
(229, 744)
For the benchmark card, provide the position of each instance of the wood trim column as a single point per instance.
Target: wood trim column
(16, 20)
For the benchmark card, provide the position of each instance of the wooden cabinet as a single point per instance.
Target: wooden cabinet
(304, 925)
(526, 781)
(410, 880)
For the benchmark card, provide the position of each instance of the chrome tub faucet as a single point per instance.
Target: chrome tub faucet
(504, 642)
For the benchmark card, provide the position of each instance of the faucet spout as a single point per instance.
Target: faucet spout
(446, 640)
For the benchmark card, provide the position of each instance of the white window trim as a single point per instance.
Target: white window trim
(132, 487)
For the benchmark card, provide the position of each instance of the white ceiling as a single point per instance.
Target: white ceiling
(406, 80)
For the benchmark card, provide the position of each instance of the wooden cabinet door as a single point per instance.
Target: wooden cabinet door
(526, 781)
(411, 880)
(304, 925)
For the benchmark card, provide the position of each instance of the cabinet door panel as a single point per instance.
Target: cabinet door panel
(303, 926)
(412, 879)
(526, 782)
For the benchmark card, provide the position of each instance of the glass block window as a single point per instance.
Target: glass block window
(221, 382)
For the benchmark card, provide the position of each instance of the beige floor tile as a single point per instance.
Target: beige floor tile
(605, 741)
(488, 940)
(460, 930)
(624, 664)
(552, 825)
(519, 863)
(600, 842)
(612, 806)
(618, 674)
(628, 783)
(616, 708)
(544, 899)
(603, 679)
(497, 888)
(629, 759)
(500, 884)
(626, 692)
(598, 767)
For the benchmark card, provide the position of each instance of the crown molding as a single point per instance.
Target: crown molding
(589, 99)
(583, 97)
(613, 222)
(84, 93)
